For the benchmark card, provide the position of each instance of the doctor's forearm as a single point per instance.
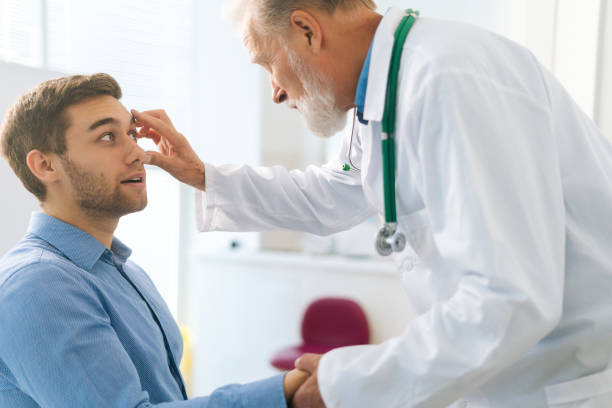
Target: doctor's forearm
(244, 198)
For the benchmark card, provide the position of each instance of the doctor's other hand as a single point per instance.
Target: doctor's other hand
(293, 380)
(308, 395)
(175, 155)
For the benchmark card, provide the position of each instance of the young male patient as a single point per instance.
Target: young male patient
(80, 324)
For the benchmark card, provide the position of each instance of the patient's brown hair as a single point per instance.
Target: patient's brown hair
(38, 121)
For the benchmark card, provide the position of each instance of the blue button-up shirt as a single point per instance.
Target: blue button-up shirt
(82, 326)
(362, 87)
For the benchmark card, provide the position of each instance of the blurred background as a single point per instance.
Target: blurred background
(240, 296)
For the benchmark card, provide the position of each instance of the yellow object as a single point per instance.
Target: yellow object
(187, 360)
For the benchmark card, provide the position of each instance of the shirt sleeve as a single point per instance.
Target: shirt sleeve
(491, 184)
(268, 393)
(321, 199)
(58, 343)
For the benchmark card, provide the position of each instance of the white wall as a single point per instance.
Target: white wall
(16, 203)
(603, 114)
(576, 47)
(228, 119)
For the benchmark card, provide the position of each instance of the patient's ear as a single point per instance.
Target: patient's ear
(42, 166)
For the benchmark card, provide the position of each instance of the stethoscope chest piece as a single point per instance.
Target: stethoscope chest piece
(388, 240)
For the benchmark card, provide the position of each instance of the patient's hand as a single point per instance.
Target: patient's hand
(293, 380)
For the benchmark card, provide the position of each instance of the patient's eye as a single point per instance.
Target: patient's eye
(108, 137)
(134, 135)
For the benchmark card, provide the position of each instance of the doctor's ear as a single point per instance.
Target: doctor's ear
(308, 29)
(42, 166)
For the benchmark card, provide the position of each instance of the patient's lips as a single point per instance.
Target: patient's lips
(136, 179)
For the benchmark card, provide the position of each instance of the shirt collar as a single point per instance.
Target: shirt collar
(77, 245)
(362, 86)
(121, 251)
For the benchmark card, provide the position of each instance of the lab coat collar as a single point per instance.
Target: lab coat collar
(379, 65)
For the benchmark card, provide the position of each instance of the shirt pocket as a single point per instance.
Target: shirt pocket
(592, 391)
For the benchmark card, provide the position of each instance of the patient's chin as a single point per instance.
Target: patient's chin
(136, 206)
(113, 206)
(143, 204)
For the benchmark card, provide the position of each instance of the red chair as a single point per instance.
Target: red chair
(328, 323)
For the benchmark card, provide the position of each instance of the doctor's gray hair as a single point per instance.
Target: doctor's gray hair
(272, 16)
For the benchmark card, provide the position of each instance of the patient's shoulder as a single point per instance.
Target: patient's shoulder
(33, 264)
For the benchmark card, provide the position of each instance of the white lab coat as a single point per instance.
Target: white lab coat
(505, 197)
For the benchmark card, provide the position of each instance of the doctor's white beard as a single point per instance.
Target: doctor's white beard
(317, 106)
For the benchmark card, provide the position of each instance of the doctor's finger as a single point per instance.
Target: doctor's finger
(147, 133)
(159, 125)
(308, 362)
(160, 114)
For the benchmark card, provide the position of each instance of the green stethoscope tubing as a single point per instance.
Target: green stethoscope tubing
(388, 122)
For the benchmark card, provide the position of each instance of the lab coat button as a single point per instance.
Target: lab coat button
(409, 265)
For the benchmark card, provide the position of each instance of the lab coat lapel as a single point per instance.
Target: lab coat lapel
(371, 169)
(379, 65)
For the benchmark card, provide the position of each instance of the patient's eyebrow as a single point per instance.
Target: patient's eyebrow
(103, 122)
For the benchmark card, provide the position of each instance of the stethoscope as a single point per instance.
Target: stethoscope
(389, 239)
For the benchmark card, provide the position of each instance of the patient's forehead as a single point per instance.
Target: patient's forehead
(84, 114)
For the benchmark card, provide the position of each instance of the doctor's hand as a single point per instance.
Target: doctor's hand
(308, 395)
(175, 155)
(292, 381)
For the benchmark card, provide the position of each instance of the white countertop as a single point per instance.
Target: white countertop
(332, 263)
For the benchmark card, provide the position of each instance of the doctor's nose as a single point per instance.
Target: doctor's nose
(279, 95)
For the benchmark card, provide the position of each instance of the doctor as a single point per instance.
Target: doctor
(503, 194)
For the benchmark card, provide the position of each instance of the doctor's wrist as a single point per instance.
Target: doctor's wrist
(199, 178)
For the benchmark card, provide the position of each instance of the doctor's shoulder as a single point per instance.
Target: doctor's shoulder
(442, 47)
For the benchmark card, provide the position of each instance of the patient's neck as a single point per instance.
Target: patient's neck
(100, 227)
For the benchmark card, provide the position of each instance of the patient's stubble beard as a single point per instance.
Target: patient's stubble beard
(318, 105)
(95, 197)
